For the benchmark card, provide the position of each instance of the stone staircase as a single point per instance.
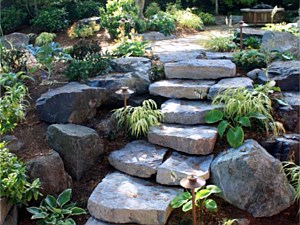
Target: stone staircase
(181, 145)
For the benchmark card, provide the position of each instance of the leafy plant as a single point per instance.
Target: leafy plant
(14, 182)
(249, 59)
(221, 44)
(12, 59)
(252, 42)
(240, 106)
(44, 38)
(50, 20)
(184, 199)
(282, 27)
(56, 211)
(130, 47)
(185, 18)
(140, 118)
(83, 30)
(292, 171)
(162, 22)
(91, 66)
(207, 18)
(157, 73)
(11, 18)
(84, 47)
(152, 9)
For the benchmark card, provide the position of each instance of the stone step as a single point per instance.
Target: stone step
(179, 166)
(200, 69)
(181, 88)
(93, 221)
(197, 140)
(186, 112)
(120, 198)
(223, 84)
(138, 158)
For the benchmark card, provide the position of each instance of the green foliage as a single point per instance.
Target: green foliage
(185, 18)
(184, 199)
(14, 182)
(91, 66)
(292, 171)
(139, 119)
(282, 27)
(44, 38)
(83, 30)
(221, 44)
(83, 9)
(11, 18)
(157, 73)
(12, 59)
(56, 211)
(162, 22)
(249, 59)
(130, 47)
(240, 106)
(84, 47)
(207, 18)
(252, 42)
(50, 20)
(152, 9)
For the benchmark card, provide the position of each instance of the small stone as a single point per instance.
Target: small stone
(130, 64)
(120, 198)
(253, 74)
(138, 158)
(179, 166)
(12, 143)
(198, 140)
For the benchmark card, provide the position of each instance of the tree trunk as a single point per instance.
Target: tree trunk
(217, 7)
(140, 5)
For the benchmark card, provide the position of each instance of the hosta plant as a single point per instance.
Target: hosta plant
(184, 199)
(140, 118)
(56, 211)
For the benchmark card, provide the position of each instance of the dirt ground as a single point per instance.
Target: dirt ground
(32, 132)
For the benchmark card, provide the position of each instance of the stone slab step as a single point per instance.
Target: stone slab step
(223, 84)
(179, 166)
(93, 221)
(138, 158)
(197, 140)
(185, 112)
(120, 198)
(200, 69)
(181, 88)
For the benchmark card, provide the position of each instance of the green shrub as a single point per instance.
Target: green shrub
(152, 9)
(282, 27)
(11, 18)
(91, 66)
(249, 59)
(139, 119)
(130, 47)
(185, 18)
(13, 60)
(84, 47)
(84, 9)
(14, 182)
(83, 30)
(240, 106)
(221, 44)
(252, 42)
(207, 18)
(50, 20)
(44, 38)
(56, 211)
(162, 22)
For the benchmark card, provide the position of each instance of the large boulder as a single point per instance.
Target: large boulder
(14, 40)
(282, 42)
(71, 103)
(253, 180)
(285, 73)
(136, 81)
(120, 198)
(48, 168)
(78, 146)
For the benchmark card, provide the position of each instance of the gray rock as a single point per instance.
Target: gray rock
(179, 166)
(120, 198)
(12, 217)
(181, 88)
(197, 140)
(73, 103)
(253, 74)
(218, 55)
(156, 36)
(48, 168)
(136, 81)
(12, 143)
(293, 99)
(200, 69)
(89, 21)
(4, 209)
(282, 42)
(14, 40)
(251, 32)
(93, 221)
(107, 126)
(223, 84)
(138, 158)
(285, 73)
(176, 56)
(130, 64)
(185, 112)
(253, 180)
(78, 146)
